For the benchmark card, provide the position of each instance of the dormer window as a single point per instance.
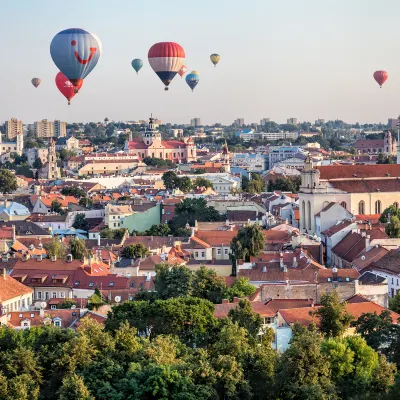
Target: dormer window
(111, 284)
(91, 284)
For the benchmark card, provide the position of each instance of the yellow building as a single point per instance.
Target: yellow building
(44, 129)
(113, 214)
(107, 167)
(13, 126)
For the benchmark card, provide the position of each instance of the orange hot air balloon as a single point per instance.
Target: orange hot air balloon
(182, 71)
(381, 77)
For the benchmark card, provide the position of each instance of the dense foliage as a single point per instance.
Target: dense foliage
(249, 241)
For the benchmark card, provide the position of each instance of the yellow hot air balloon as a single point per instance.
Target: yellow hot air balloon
(215, 59)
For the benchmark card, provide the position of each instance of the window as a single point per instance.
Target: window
(196, 254)
(378, 207)
(203, 253)
(53, 307)
(268, 320)
(111, 284)
(226, 251)
(343, 204)
(361, 207)
(347, 279)
(76, 283)
(392, 281)
(46, 295)
(23, 300)
(309, 214)
(39, 295)
(57, 323)
(132, 284)
(54, 295)
(32, 315)
(219, 252)
(303, 214)
(25, 324)
(91, 284)
(62, 295)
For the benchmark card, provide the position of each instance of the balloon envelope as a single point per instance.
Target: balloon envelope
(381, 77)
(137, 64)
(75, 52)
(166, 59)
(192, 79)
(182, 71)
(66, 87)
(215, 59)
(36, 82)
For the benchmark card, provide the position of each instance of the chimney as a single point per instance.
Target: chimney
(192, 230)
(281, 264)
(236, 300)
(4, 273)
(41, 312)
(295, 262)
(98, 240)
(225, 301)
(13, 233)
(264, 269)
(69, 258)
(39, 257)
(54, 258)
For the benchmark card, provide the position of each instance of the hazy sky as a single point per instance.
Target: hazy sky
(279, 59)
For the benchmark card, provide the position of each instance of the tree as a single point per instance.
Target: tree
(392, 229)
(112, 233)
(202, 182)
(95, 300)
(245, 317)
(333, 316)
(73, 191)
(255, 185)
(135, 251)
(56, 206)
(86, 202)
(78, 249)
(159, 230)
(184, 184)
(68, 303)
(394, 303)
(170, 180)
(291, 185)
(207, 285)
(73, 388)
(173, 281)
(241, 288)
(55, 249)
(249, 241)
(8, 181)
(24, 170)
(37, 164)
(388, 213)
(81, 222)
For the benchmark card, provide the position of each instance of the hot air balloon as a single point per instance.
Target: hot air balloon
(193, 79)
(182, 71)
(215, 59)
(166, 59)
(36, 82)
(381, 77)
(75, 52)
(137, 65)
(66, 87)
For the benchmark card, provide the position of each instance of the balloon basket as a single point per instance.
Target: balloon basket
(166, 88)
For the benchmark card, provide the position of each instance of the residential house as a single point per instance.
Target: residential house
(44, 204)
(329, 216)
(13, 211)
(142, 221)
(114, 214)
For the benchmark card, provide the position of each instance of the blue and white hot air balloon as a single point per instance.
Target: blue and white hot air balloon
(75, 53)
(193, 79)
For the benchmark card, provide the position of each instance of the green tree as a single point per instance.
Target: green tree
(184, 184)
(8, 181)
(249, 241)
(333, 316)
(256, 184)
(55, 249)
(245, 317)
(81, 222)
(95, 300)
(86, 202)
(56, 206)
(112, 233)
(388, 213)
(394, 303)
(202, 182)
(207, 285)
(392, 229)
(172, 281)
(241, 288)
(78, 248)
(68, 303)
(37, 164)
(73, 388)
(135, 251)
(170, 180)
(73, 191)
(159, 230)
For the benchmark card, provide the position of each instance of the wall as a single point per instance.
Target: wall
(376, 293)
(221, 270)
(142, 221)
(88, 214)
(19, 303)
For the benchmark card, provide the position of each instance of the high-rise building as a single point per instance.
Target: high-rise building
(195, 122)
(319, 121)
(60, 128)
(239, 122)
(13, 126)
(44, 129)
(292, 121)
(392, 122)
(264, 121)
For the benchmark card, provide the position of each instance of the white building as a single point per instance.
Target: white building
(250, 134)
(281, 153)
(13, 147)
(254, 162)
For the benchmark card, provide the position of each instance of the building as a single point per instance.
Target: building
(50, 170)
(14, 296)
(320, 121)
(13, 147)
(13, 126)
(292, 121)
(226, 166)
(360, 189)
(264, 121)
(60, 128)
(250, 134)
(151, 145)
(253, 162)
(114, 214)
(238, 122)
(12, 211)
(387, 145)
(177, 133)
(195, 122)
(33, 154)
(44, 129)
(281, 153)
(392, 122)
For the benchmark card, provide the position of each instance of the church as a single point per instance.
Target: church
(360, 189)
(50, 170)
(152, 145)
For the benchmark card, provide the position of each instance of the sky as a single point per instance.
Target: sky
(307, 59)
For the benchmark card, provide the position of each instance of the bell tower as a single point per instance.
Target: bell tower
(226, 165)
(151, 134)
(53, 171)
(20, 143)
(309, 176)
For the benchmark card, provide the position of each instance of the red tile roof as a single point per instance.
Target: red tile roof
(361, 171)
(67, 317)
(10, 288)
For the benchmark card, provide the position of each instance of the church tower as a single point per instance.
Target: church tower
(53, 171)
(226, 165)
(388, 144)
(309, 176)
(151, 134)
(20, 143)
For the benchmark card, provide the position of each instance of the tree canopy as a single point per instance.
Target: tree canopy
(8, 181)
(135, 251)
(249, 241)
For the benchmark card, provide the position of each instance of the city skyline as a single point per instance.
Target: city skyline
(306, 60)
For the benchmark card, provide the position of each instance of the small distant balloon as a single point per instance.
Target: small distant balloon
(182, 71)
(215, 59)
(166, 59)
(381, 77)
(75, 52)
(193, 79)
(36, 82)
(66, 87)
(137, 65)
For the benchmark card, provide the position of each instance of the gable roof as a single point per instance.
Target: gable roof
(350, 247)
(330, 172)
(10, 288)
